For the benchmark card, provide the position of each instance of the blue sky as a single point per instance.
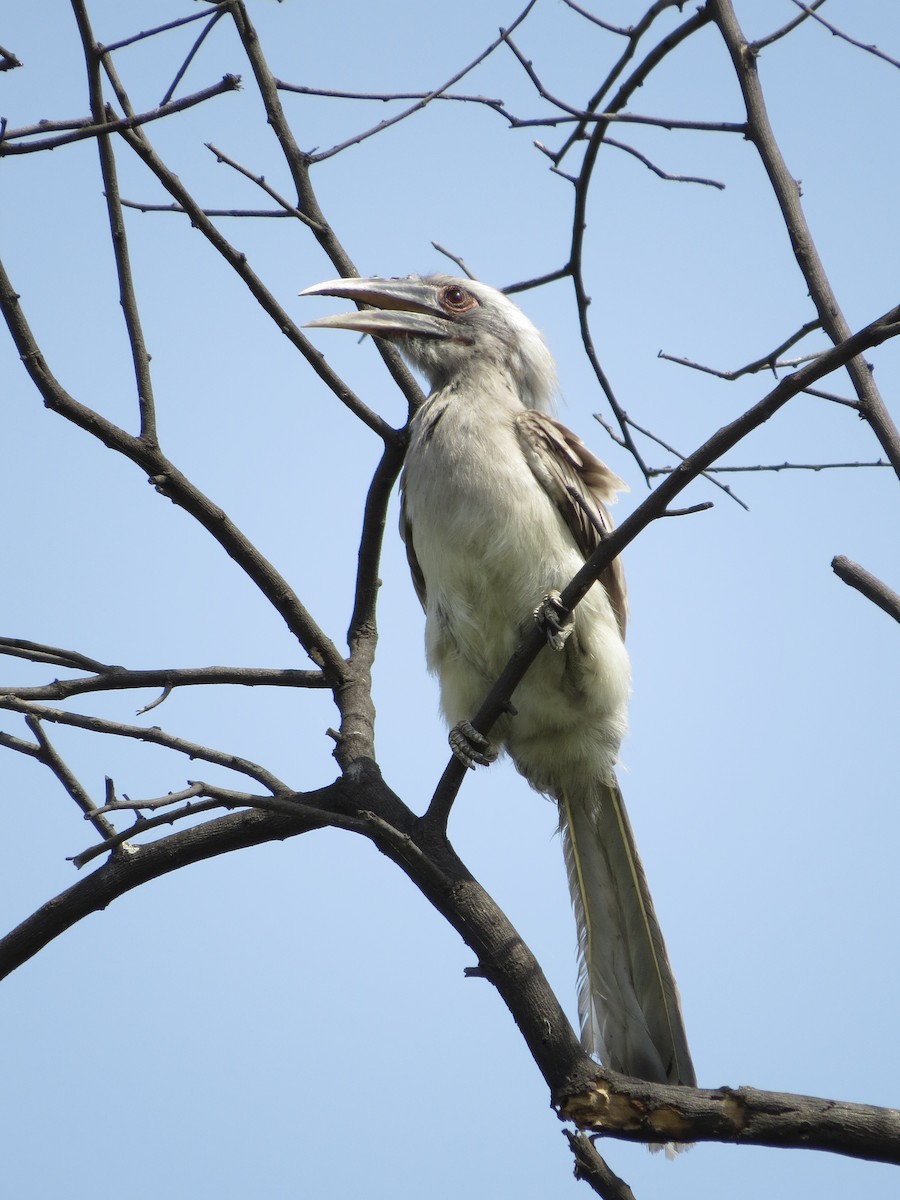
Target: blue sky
(294, 1020)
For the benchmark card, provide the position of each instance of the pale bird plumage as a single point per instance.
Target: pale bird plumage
(500, 507)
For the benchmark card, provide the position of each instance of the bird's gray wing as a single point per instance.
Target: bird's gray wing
(414, 569)
(581, 486)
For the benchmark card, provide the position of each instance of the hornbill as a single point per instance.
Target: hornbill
(500, 507)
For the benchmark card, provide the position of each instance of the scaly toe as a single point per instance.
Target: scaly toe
(471, 747)
(555, 620)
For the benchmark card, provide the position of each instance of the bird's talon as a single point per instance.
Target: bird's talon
(555, 620)
(471, 747)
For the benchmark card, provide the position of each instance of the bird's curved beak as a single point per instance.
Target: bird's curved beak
(401, 306)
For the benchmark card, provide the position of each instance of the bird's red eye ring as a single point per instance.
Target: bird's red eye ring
(457, 299)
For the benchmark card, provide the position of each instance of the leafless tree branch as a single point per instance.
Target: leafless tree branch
(809, 10)
(787, 193)
(93, 128)
(870, 586)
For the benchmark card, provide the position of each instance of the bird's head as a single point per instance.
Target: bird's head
(448, 328)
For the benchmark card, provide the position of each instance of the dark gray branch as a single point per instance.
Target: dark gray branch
(787, 193)
(91, 128)
(870, 586)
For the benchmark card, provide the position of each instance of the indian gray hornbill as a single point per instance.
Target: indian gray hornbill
(493, 531)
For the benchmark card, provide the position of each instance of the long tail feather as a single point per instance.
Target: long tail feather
(627, 999)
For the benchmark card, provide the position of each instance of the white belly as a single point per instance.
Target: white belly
(491, 544)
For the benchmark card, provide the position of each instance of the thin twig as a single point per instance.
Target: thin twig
(53, 656)
(191, 55)
(66, 777)
(455, 258)
(118, 679)
(118, 236)
(768, 361)
(659, 441)
(579, 215)
(787, 193)
(91, 128)
(151, 734)
(290, 209)
(149, 33)
(420, 104)
(809, 11)
(143, 206)
(171, 482)
(634, 34)
(658, 171)
(761, 43)
(785, 466)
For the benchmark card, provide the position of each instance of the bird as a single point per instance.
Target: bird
(501, 505)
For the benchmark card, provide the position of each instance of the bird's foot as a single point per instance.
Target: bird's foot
(555, 620)
(471, 747)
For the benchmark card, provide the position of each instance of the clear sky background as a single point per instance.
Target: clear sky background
(293, 1021)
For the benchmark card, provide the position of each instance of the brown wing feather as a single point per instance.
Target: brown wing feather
(414, 569)
(579, 484)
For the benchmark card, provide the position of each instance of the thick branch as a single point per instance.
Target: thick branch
(642, 1112)
(870, 586)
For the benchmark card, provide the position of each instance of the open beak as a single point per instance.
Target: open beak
(401, 306)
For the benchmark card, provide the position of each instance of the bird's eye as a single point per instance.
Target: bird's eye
(457, 299)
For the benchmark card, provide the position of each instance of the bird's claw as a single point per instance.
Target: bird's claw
(471, 747)
(555, 620)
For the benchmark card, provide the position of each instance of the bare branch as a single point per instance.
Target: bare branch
(151, 734)
(618, 1107)
(66, 777)
(454, 258)
(832, 397)
(290, 210)
(714, 183)
(143, 206)
(170, 482)
(870, 586)
(149, 33)
(8, 61)
(579, 216)
(689, 511)
(788, 28)
(191, 55)
(787, 193)
(767, 362)
(785, 466)
(118, 236)
(118, 679)
(593, 1169)
(91, 128)
(538, 281)
(654, 437)
(622, 30)
(52, 655)
(809, 11)
(420, 104)
(30, 749)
